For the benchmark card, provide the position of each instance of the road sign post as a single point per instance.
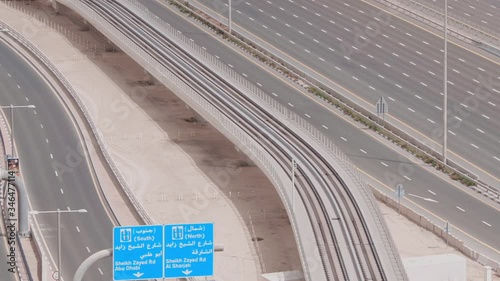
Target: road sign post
(400, 192)
(189, 250)
(447, 230)
(382, 108)
(138, 252)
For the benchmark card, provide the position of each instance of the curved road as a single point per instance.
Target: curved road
(46, 140)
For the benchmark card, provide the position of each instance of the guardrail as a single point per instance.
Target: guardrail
(227, 126)
(397, 134)
(457, 25)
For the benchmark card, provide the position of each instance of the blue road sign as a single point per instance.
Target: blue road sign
(138, 252)
(189, 250)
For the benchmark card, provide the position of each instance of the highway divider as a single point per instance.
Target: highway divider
(439, 231)
(335, 97)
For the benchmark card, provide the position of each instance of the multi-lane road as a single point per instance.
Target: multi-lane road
(46, 139)
(369, 53)
(483, 13)
(381, 163)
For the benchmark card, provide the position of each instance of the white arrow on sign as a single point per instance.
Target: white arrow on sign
(138, 274)
(187, 271)
(423, 198)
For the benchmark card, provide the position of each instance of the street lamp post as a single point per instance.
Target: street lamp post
(445, 90)
(58, 212)
(11, 107)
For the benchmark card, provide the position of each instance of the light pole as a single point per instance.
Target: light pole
(229, 18)
(445, 90)
(58, 212)
(12, 122)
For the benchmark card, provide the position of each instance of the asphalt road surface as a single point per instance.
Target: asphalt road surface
(483, 13)
(46, 140)
(373, 54)
(379, 161)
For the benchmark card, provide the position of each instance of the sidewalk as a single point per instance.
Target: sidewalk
(181, 169)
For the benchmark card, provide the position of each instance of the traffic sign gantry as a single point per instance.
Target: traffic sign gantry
(137, 252)
(189, 250)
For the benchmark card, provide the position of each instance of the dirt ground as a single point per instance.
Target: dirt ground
(181, 168)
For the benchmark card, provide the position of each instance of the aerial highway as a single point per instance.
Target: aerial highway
(320, 187)
(45, 137)
(368, 54)
(484, 13)
(378, 161)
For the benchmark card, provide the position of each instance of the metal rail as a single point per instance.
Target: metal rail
(341, 234)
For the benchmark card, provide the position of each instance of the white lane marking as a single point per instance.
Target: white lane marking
(244, 74)
(392, 26)
(324, 127)
(411, 110)
(332, 22)
(380, 47)
(292, 42)
(51, 156)
(396, 55)
(432, 73)
(100, 271)
(361, 11)
(331, 49)
(452, 133)
(399, 86)
(217, 56)
(479, 130)
(485, 116)
(463, 105)
(309, 23)
(230, 65)
(307, 51)
(339, 13)
(481, 69)
(282, 9)
(438, 108)
(9, 74)
(458, 207)
(470, 93)
(458, 118)
(381, 76)
(408, 34)
(307, 115)
(355, 78)
(68, 208)
(462, 60)
(386, 64)
(251, 19)
(287, 24)
(423, 84)
(431, 192)
(436, 61)
(474, 145)
(337, 68)
(260, 85)
(455, 70)
(431, 121)
(406, 74)
(339, 39)
(19, 87)
(317, 14)
(370, 56)
(362, 151)
(354, 20)
(278, 34)
(62, 191)
(347, 58)
(412, 63)
(492, 103)
(418, 52)
(407, 178)
(301, 32)
(347, 29)
(495, 90)
(274, 94)
(449, 82)
(496, 158)
(260, 10)
(486, 223)
(88, 250)
(402, 44)
(385, 35)
(425, 42)
(344, 139)
(391, 98)
(47, 140)
(372, 88)
(321, 59)
(56, 173)
(77, 229)
(41, 126)
(34, 111)
(384, 164)
(364, 67)
(27, 99)
(324, 31)
(290, 104)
